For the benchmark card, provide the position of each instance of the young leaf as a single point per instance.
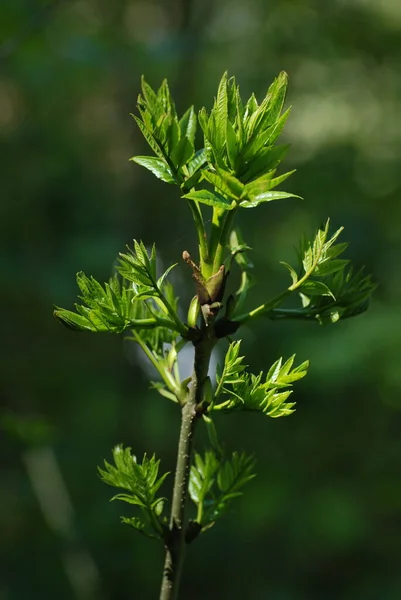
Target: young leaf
(267, 197)
(197, 162)
(225, 183)
(232, 368)
(266, 160)
(315, 288)
(202, 476)
(188, 124)
(155, 146)
(142, 482)
(182, 152)
(216, 481)
(209, 198)
(250, 392)
(157, 166)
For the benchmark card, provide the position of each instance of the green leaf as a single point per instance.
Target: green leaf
(202, 476)
(276, 98)
(232, 145)
(182, 152)
(250, 108)
(209, 198)
(215, 481)
(232, 368)
(267, 159)
(138, 266)
(138, 525)
(72, 320)
(221, 112)
(251, 392)
(161, 279)
(276, 129)
(149, 96)
(293, 273)
(150, 139)
(315, 288)
(197, 162)
(236, 244)
(157, 166)
(191, 170)
(141, 482)
(225, 183)
(234, 474)
(329, 267)
(267, 197)
(263, 184)
(108, 307)
(188, 124)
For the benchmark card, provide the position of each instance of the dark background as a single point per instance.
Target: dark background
(323, 518)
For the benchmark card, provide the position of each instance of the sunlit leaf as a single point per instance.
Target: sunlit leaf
(210, 198)
(157, 166)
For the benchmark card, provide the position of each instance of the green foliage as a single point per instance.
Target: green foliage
(171, 139)
(327, 286)
(239, 250)
(240, 144)
(141, 482)
(246, 391)
(350, 296)
(115, 307)
(108, 307)
(215, 481)
(236, 168)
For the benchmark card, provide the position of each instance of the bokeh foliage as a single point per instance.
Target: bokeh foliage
(322, 518)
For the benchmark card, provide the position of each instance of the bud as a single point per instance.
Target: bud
(193, 312)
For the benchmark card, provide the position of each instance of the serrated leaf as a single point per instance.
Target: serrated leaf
(267, 197)
(157, 166)
(142, 482)
(232, 145)
(182, 152)
(224, 182)
(266, 396)
(267, 159)
(188, 123)
(149, 138)
(293, 273)
(263, 184)
(210, 198)
(276, 97)
(72, 320)
(129, 499)
(232, 368)
(149, 95)
(197, 161)
(315, 288)
(161, 279)
(221, 112)
(329, 267)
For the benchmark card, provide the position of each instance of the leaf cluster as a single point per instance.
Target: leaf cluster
(215, 481)
(106, 307)
(171, 138)
(240, 144)
(245, 391)
(120, 304)
(141, 483)
(328, 287)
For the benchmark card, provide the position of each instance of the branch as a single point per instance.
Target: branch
(175, 537)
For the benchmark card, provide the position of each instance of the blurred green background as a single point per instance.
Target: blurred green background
(323, 518)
